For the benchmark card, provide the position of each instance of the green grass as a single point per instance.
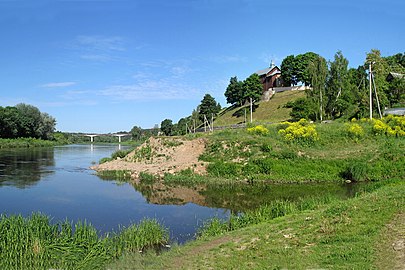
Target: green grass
(267, 111)
(335, 156)
(36, 243)
(26, 142)
(338, 235)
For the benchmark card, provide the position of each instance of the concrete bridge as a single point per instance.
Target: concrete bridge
(119, 135)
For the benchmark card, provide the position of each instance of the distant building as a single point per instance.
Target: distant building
(270, 77)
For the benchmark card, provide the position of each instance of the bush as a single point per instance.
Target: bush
(258, 130)
(224, 169)
(354, 131)
(300, 131)
(390, 126)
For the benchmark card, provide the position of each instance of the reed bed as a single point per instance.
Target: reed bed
(36, 243)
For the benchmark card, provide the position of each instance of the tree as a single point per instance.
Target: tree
(337, 86)
(9, 117)
(295, 69)
(208, 107)
(136, 133)
(29, 120)
(46, 127)
(166, 127)
(380, 70)
(253, 88)
(302, 108)
(234, 92)
(318, 70)
(288, 70)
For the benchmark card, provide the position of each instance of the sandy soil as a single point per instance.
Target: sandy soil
(158, 156)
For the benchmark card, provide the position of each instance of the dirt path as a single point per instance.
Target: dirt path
(158, 156)
(391, 248)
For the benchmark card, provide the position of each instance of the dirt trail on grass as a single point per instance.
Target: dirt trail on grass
(391, 250)
(158, 156)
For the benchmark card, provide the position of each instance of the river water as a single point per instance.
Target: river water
(58, 182)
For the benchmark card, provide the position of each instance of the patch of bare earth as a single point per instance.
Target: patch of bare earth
(391, 248)
(183, 260)
(158, 156)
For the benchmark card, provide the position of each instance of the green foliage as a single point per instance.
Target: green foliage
(117, 154)
(208, 107)
(337, 94)
(258, 130)
(23, 121)
(36, 243)
(234, 92)
(356, 171)
(252, 87)
(303, 108)
(390, 126)
(300, 131)
(26, 143)
(354, 131)
(143, 153)
(295, 69)
(318, 71)
(147, 178)
(167, 127)
(223, 169)
(136, 133)
(264, 213)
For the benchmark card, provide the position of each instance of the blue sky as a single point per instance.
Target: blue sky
(107, 65)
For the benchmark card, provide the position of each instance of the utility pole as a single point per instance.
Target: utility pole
(251, 110)
(371, 92)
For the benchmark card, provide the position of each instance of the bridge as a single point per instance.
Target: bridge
(119, 135)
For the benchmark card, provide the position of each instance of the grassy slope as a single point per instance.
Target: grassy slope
(268, 111)
(342, 235)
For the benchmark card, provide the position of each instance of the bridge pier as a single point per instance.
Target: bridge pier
(120, 136)
(91, 136)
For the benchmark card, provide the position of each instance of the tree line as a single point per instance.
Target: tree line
(338, 91)
(25, 121)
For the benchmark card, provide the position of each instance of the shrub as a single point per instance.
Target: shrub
(390, 126)
(266, 147)
(224, 169)
(354, 131)
(258, 130)
(300, 131)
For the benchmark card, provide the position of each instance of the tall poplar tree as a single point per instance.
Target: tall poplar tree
(318, 70)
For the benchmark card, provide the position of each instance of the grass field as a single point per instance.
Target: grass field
(347, 234)
(266, 111)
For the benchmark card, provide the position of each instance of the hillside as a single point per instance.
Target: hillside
(265, 111)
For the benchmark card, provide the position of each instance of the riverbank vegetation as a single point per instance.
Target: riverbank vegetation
(26, 143)
(360, 150)
(337, 234)
(37, 243)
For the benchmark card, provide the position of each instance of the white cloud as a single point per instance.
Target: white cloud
(101, 43)
(163, 89)
(57, 84)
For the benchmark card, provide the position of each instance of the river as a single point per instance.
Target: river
(58, 182)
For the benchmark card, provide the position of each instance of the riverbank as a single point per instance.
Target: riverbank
(286, 153)
(347, 234)
(26, 143)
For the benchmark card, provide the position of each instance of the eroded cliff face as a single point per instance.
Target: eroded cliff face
(158, 156)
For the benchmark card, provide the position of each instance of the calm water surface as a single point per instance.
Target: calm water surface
(58, 182)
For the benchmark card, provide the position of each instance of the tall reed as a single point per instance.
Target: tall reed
(36, 243)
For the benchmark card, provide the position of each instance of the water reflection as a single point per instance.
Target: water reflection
(238, 197)
(23, 168)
